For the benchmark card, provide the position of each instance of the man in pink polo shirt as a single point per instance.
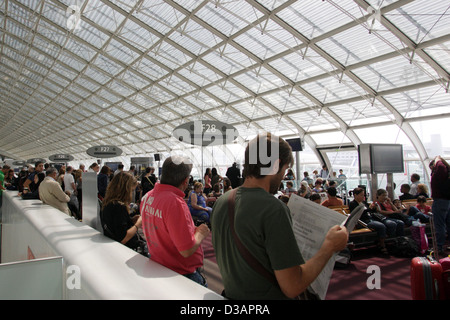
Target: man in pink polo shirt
(172, 238)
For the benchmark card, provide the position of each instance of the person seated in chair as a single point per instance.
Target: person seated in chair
(197, 203)
(332, 199)
(405, 189)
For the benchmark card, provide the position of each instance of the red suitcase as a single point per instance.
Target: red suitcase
(427, 275)
(426, 279)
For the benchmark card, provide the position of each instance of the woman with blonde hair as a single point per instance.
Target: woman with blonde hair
(115, 214)
(422, 190)
(197, 204)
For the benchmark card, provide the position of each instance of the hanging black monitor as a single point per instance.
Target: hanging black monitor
(381, 158)
(296, 144)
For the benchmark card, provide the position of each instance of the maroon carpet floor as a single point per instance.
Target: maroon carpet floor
(345, 284)
(351, 283)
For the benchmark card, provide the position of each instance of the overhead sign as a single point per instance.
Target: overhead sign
(61, 157)
(34, 160)
(104, 151)
(206, 133)
(19, 163)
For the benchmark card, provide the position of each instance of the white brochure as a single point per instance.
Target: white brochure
(311, 223)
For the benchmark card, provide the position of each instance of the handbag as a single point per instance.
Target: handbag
(250, 259)
(419, 235)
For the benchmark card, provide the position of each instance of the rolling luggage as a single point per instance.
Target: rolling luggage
(427, 275)
(426, 279)
(445, 263)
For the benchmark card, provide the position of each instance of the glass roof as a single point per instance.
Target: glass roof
(78, 73)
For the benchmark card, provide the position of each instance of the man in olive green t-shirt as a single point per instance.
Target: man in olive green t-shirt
(263, 224)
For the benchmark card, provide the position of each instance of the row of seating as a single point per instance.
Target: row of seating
(365, 236)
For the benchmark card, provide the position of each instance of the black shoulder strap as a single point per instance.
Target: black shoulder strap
(251, 260)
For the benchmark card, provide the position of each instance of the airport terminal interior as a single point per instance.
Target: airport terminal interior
(358, 88)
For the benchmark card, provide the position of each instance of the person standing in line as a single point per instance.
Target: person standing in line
(172, 238)
(234, 174)
(441, 201)
(264, 225)
(69, 181)
(51, 193)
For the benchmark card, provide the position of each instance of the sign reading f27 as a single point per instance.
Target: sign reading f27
(206, 133)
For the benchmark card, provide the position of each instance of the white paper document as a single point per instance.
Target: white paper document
(311, 223)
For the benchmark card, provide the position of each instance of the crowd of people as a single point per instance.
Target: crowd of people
(162, 226)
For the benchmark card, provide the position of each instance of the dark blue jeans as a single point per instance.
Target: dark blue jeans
(197, 277)
(441, 220)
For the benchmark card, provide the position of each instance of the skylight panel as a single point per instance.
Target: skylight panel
(79, 49)
(230, 16)
(357, 44)
(441, 54)
(202, 101)
(107, 65)
(267, 39)
(420, 102)
(228, 59)
(158, 15)
(313, 18)
(194, 37)
(199, 74)
(422, 20)
(117, 50)
(392, 73)
(97, 75)
(169, 55)
(260, 80)
(138, 36)
(227, 92)
(102, 15)
(91, 35)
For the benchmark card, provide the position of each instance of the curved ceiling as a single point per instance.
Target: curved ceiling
(75, 74)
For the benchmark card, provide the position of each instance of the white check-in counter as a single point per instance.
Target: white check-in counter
(94, 266)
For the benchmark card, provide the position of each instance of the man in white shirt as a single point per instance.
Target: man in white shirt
(69, 180)
(415, 179)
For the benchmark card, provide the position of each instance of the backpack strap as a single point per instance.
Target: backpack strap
(251, 260)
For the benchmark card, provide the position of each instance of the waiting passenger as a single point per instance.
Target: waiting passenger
(30, 183)
(289, 175)
(51, 193)
(332, 199)
(412, 213)
(216, 192)
(148, 180)
(215, 177)
(227, 186)
(172, 238)
(197, 204)
(387, 208)
(372, 218)
(33, 193)
(317, 186)
(289, 188)
(422, 205)
(405, 190)
(264, 225)
(415, 179)
(103, 180)
(422, 190)
(115, 213)
(10, 180)
(305, 190)
(207, 179)
(69, 181)
(234, 174)
(315, 197)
